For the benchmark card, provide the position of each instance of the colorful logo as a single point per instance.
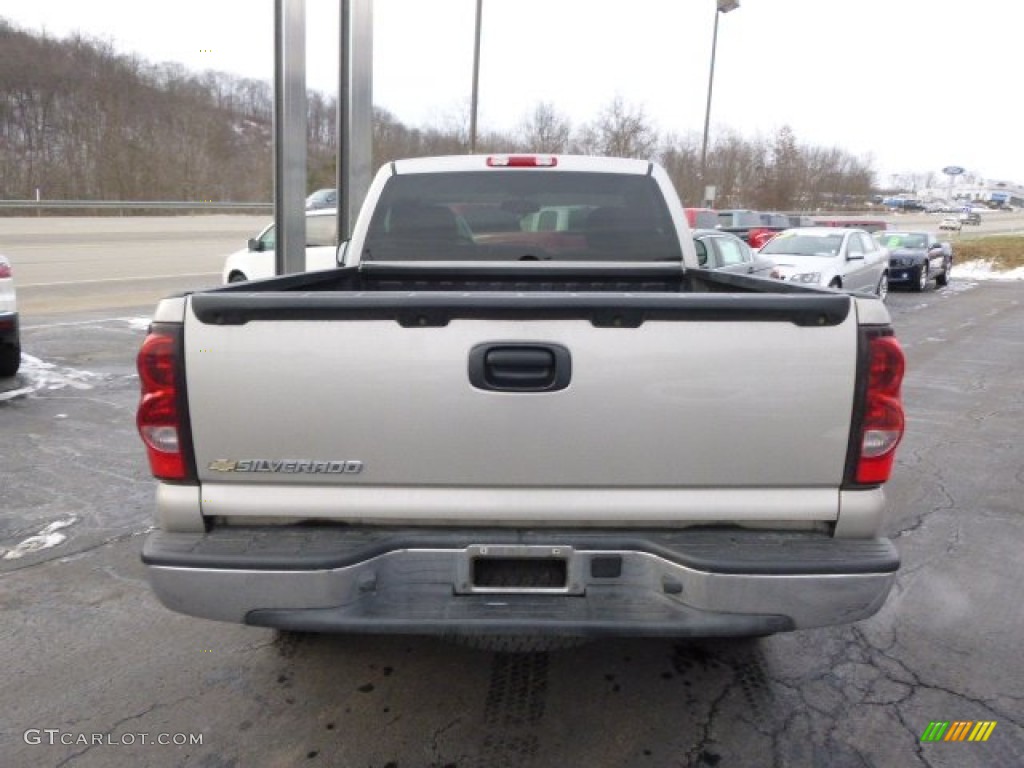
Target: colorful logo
(958, 730)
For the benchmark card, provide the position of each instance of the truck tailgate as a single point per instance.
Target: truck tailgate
(678, 417)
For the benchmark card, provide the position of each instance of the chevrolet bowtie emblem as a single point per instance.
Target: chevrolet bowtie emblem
(223, 465)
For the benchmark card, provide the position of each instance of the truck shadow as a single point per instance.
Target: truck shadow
(409, 701)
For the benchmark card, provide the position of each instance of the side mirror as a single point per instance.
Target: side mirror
(255, 244)
(342, 251)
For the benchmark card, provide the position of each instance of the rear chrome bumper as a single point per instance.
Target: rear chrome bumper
(707, 582)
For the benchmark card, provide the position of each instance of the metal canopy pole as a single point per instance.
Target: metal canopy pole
(289, 136)
(355, 111)
(721, 6)
(474, 98)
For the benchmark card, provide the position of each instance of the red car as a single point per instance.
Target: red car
(759, 236)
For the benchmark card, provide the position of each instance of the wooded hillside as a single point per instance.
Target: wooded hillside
(80, 121)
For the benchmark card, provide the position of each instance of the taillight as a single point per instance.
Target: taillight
(882, 424)
(522, 161)
(5, 268)
(160, 419)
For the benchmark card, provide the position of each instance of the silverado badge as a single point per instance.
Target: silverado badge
(287, 466)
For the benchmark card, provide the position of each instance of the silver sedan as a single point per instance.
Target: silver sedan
(726, 252)
(835, 257)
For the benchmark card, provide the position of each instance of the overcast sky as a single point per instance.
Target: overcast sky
(911, 85)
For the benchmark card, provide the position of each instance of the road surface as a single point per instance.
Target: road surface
(98, 672)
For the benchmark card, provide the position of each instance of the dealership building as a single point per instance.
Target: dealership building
(972, 188)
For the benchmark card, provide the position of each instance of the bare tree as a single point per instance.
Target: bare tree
(735, 167)
(544, 130)
(681, 159)
(619, 131)
(788, 170)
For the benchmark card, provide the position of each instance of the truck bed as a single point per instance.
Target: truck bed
(621, 295)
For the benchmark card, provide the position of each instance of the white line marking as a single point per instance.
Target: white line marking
(116, 280)
(136, 323)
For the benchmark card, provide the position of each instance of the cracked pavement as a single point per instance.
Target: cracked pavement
(91, 651)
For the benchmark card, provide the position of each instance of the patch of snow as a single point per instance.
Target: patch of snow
(10, 394)
(980, 269)
(41, 375)
(46, 538)
(137, 323)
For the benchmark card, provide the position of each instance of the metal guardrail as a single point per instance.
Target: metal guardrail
(134, 205)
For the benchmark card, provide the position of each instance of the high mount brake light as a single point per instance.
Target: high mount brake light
(159, 417)
(883, 421)
(522, 161)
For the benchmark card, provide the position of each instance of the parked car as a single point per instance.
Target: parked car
(800, 220)
(776, 220)
(739, 222)
(835, 257)
(868, 225)
(322, 198)
(950, 224)
(256, 260)
(917, 257)
(752, 227)
(701, 218)
(10, 340)
(739, 217)
(772, 224)
(727, 253)
(970, 217)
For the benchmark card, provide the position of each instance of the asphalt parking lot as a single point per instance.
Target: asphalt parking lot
(100, 674)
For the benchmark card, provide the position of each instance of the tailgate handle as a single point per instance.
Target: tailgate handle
(520, 367)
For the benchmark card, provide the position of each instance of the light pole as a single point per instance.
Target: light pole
(476, 79)
(721, 6)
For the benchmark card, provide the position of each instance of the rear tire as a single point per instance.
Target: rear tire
(882, 289)
(236, 277)
(942, 280)
(10, 359)
(922, 278)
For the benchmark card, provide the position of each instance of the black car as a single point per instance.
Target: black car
(916, 257)
(728, 253)
(10, 340)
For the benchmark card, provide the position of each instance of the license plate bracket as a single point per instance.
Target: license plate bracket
(518, 569)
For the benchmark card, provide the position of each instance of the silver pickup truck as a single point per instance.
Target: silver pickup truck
(519, 408)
